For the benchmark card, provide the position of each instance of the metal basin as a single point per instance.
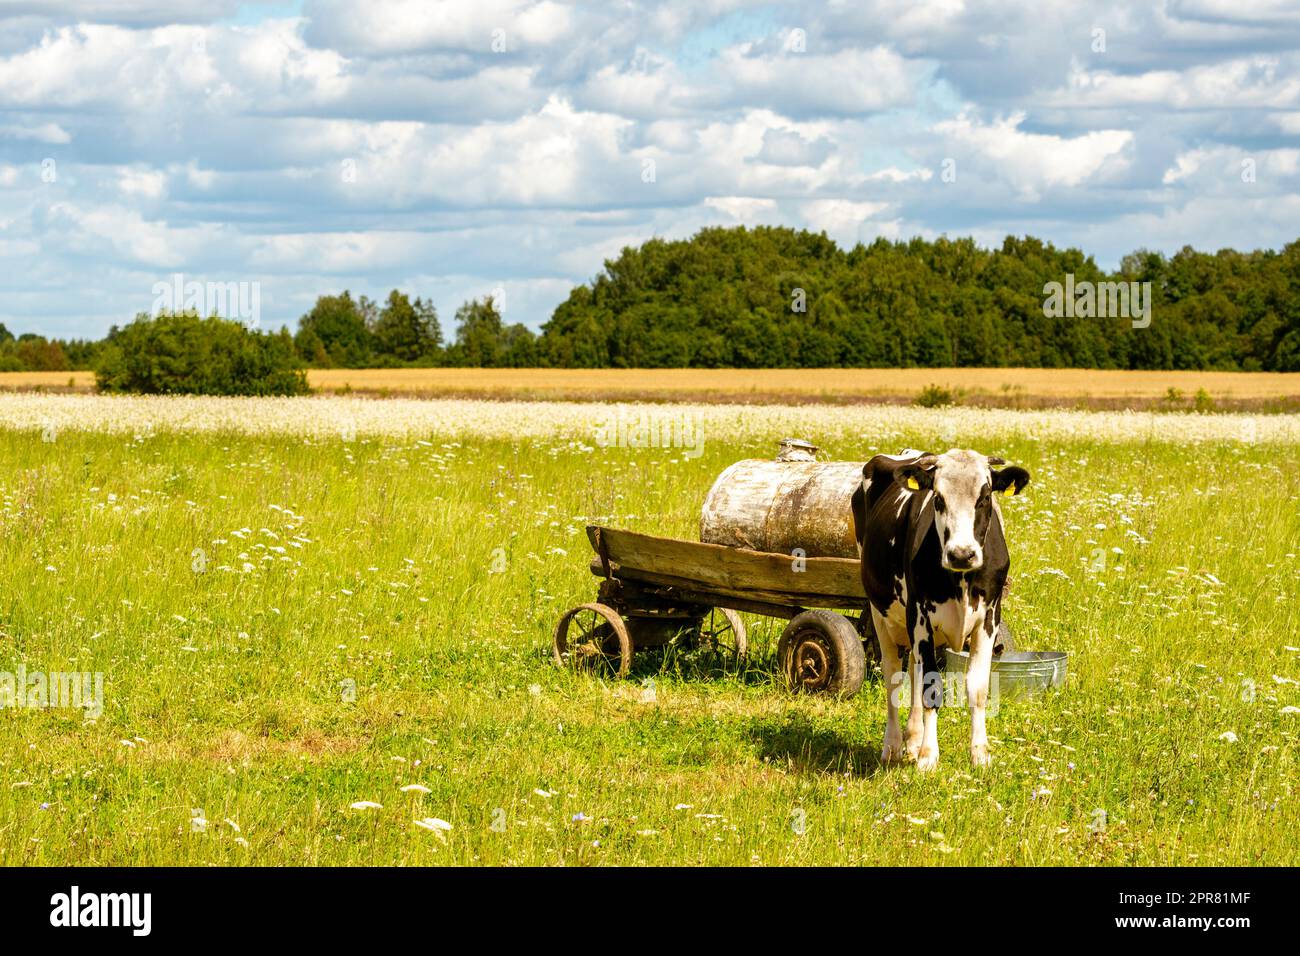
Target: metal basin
(1019, 674)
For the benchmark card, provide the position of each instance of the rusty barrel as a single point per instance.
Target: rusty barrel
(783, 505)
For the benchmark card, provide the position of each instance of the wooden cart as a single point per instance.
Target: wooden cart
(654, 589)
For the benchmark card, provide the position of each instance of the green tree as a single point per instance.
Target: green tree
(408, 330)
(336, 330)
(480, 335)
(520, 346)
(176, 353)
(39, 354)
(772, 296)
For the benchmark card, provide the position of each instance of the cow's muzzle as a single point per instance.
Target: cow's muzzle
(962, 557)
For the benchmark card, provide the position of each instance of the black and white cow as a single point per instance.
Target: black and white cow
(934, 562)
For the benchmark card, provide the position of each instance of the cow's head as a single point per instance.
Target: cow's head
(963, 483)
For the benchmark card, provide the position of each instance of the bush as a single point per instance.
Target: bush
(936, 396)
(182, 353)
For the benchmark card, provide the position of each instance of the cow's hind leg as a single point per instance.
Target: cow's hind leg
(891, 668)
(978, 669)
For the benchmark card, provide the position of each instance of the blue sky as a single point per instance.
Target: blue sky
(459, 149)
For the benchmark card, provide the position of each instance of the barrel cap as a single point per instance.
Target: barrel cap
(797, 449)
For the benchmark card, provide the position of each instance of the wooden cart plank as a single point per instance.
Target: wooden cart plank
(686, 601)
(710, 595)
(758, 575)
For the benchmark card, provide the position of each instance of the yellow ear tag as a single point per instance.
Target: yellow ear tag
(1011, 490)
(911, 483)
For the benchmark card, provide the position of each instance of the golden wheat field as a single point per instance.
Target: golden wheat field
(1009, 386)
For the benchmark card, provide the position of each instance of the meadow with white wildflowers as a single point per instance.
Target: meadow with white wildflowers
(324, 632)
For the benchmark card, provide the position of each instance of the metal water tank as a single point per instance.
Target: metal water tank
(783, 504)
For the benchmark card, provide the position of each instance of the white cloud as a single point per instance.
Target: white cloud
(648, 87)
(1249, 12)
(742, 208)
(51, 133)
(144, 183)
(121, 235)
(1031, 162)
(919, 17)
(846, 82)
(109, 67)
(786, 147)
(1185, 164)
(1254, 81)
(1219, 170)
(385, 27)
(895, 175)
(841, 219)
(1221, 222)
(387, 143)
(130, 12)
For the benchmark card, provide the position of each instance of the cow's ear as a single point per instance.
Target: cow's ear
(919, 475)
(1011, 480)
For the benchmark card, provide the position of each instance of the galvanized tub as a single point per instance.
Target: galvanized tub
(793, 504)
(1020, 674)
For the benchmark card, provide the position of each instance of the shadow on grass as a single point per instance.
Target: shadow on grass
(808, 748)
(686, 663)
(680, 660)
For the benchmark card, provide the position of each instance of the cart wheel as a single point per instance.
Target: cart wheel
(722, 630)
(593, 637)
(820, 653)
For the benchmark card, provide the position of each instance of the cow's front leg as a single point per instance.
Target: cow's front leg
(978, 669)
(891, 668)
(931, 697)
(915, 709)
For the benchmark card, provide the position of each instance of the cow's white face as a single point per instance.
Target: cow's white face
(963, 483)
(963, 506)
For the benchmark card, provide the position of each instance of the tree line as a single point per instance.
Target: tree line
(772, 297)
(343, 332)
(778, 297)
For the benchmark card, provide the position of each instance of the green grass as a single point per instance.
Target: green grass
(224, 671)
